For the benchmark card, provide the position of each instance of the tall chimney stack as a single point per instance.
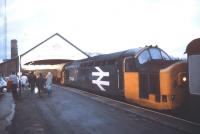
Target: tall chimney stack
(14, 49)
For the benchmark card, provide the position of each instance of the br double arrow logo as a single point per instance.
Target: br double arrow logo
(99, 81)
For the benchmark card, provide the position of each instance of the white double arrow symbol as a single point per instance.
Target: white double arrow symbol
(99, 82)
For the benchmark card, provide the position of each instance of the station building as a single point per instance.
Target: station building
(10, 64)
(50, 54)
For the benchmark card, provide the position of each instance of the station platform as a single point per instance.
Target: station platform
(74, 111)
(140, 116)
(7, 106)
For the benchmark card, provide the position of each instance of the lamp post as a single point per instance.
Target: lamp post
(19, 65)
(5, 28)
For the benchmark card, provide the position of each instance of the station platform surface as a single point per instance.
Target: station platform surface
(71, 111)
(7, 107)
(140, 116)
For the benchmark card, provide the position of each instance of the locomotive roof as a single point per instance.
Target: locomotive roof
(115, 55)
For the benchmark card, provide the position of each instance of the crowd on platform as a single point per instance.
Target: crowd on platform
(37, 83)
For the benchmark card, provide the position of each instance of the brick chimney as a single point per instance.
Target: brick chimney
(14, 49)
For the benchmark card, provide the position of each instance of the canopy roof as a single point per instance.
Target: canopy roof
(48, 62)
(53, 50)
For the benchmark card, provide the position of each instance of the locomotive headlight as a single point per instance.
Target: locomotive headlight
(182, 78)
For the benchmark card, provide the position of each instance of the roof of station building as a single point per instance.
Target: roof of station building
(53, 49)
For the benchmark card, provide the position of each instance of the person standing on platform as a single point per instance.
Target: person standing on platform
(32, 81)
(13, 77)
(49, 79)
(40, 83)
(24, 81)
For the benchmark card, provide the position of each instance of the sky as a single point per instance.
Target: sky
(104, 26)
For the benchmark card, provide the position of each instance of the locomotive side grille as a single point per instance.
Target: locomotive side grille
(149, 84)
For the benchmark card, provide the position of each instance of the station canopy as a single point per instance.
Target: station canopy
(54, 50)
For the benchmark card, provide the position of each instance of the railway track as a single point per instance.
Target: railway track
(166, 118)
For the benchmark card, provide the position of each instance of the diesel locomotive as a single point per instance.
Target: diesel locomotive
(146, 76)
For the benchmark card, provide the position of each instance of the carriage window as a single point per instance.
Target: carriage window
(155, 53)
(165, 56)
(129, 65)
(144, 57)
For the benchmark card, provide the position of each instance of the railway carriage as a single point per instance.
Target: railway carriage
(146, 76)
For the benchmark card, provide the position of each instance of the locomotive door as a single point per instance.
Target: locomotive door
(131, 79)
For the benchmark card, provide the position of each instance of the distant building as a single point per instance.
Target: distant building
(9, 65)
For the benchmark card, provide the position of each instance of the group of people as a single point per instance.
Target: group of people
(31, 81)
(41, 82)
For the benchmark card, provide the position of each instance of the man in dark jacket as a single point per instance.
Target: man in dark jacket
(40, 83)
(32, 81)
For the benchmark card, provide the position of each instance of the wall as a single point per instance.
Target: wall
(7, 67)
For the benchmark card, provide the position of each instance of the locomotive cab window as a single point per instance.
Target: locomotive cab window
(165, 56)
(144, 57)
(129, 65)
(155, 54)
